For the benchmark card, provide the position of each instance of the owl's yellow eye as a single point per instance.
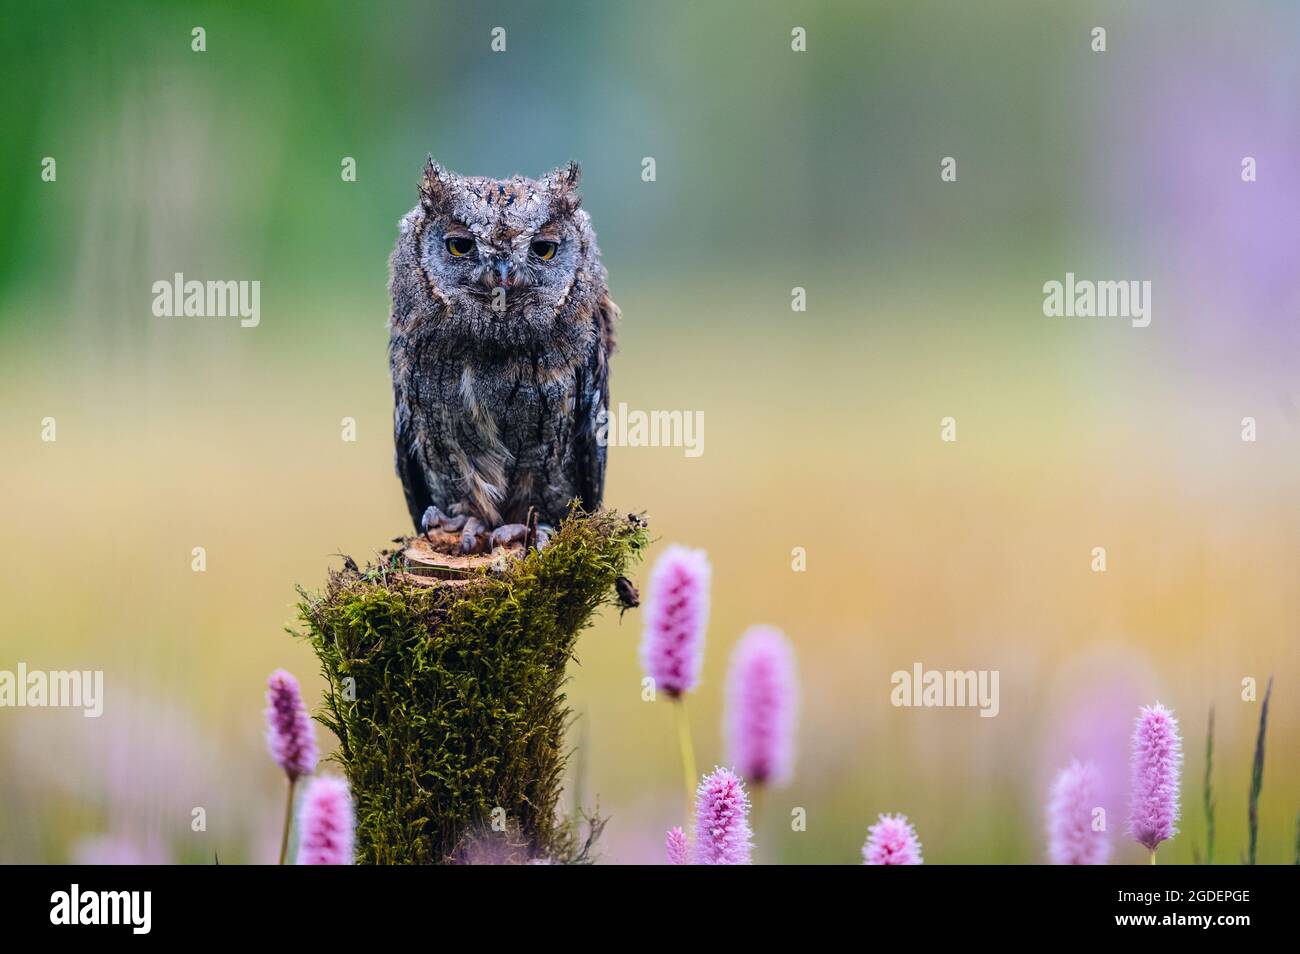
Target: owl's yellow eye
(460, 247)
(544, 250)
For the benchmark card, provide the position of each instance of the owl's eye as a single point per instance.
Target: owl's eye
(544, 250)
(460, 247)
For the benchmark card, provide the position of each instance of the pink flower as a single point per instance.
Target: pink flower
(762, 693)
(1157, 762)
(722, 835)
(676, 614)
(892, 841)
(1093, 698)
(325, 823)
(289, 733)
(1071, 839)
(675, 847)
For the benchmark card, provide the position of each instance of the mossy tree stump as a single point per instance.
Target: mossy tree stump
(445, 689)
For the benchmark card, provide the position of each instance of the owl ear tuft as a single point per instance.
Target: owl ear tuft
(434, 185)
(562, 185)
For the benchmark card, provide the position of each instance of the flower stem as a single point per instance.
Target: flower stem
(288, 821)
(688, 758)
(1153, 856)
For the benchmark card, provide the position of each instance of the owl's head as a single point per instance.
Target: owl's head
(501, 263)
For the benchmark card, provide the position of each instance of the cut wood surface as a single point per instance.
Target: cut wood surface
(427, 561)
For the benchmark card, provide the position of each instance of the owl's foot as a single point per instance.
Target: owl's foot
(508, 534)
(472, 536)
(435, 519)
(475, 537)
(443, 532)
(465, 534)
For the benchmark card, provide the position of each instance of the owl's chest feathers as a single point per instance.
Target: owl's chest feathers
(500, 434)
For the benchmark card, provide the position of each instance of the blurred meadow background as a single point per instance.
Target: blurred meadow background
(775, 169)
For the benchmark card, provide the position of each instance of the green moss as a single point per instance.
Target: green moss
(455, 714)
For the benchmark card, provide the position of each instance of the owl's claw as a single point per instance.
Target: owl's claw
(471, 536)
(435, 519)
(474, 536)
(432, 518)
(511, 533)
(507, 534)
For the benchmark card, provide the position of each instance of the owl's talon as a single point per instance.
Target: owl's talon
(432, 520)
(506, 534)
(471, 536)
(439, 529)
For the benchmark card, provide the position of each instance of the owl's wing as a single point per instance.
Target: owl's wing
(418, 496)
(592, 400)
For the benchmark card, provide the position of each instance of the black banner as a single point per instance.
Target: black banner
(351, 904)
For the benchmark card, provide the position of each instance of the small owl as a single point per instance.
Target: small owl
(500, 338)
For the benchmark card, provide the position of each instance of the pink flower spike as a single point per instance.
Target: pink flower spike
(325, 823)
(289, 733)
(892, 841)
(1157, 762)
(675, 847)
(676, 614)
(722, 835)
(1071, 839)
(762, 696)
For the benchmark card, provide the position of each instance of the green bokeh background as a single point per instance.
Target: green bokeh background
(775, 169)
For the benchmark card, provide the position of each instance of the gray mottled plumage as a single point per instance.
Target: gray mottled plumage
(499, 356)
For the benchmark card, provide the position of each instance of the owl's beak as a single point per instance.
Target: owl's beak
(502, 268)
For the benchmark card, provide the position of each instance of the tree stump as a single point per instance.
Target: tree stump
(445, 688)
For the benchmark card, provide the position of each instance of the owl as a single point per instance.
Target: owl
(499, 344)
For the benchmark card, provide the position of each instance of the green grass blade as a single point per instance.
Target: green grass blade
(1257, 775)
(1207, 790)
